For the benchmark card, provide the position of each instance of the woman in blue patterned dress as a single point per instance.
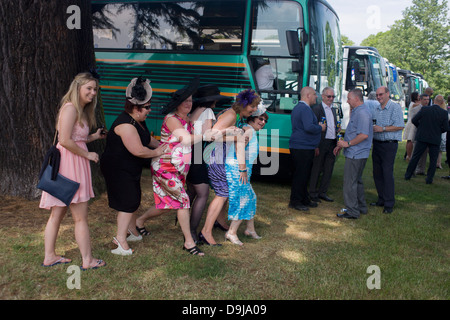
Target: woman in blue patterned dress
(242, 198)
(214, 155)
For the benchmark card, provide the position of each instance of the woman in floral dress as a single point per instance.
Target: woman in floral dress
(170, 169)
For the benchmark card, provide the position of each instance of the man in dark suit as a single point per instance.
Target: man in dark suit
(305, 137)
(324, 159)
(431, 122)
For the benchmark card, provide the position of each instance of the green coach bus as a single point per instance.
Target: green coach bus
(224, 43)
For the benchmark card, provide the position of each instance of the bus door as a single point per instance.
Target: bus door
(277, 70)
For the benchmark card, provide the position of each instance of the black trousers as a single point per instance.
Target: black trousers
(302, 162)
(323, 163)
(419, 149)
(383, 158)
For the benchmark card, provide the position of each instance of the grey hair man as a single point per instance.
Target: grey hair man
(323, 163)
(356, 145)
(387, 134)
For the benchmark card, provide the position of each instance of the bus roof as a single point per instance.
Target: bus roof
(324, 2)
(362, 47)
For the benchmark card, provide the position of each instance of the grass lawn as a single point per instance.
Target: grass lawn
(301, 256)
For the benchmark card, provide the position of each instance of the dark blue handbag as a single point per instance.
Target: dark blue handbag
(54, 183)
(61, 187)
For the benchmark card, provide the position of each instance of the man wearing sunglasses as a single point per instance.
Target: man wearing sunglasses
(324, 159)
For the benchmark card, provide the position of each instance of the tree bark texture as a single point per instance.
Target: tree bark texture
(39, 56)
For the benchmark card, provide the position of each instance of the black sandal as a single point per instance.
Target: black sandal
(142, 231)
(194, 250)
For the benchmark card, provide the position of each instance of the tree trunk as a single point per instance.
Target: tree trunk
(39, 56)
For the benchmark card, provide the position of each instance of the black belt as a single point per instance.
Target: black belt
(386, 141)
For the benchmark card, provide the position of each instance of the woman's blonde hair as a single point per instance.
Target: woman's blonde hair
(73, 96)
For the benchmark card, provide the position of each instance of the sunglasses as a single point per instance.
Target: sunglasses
(331, 97)
(146, 106)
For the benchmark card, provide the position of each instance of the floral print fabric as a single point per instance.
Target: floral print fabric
(170, 170)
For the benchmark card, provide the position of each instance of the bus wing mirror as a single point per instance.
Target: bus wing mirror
(296, 46)
(293, 42)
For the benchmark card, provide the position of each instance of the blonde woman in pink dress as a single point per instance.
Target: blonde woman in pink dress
(75, 119)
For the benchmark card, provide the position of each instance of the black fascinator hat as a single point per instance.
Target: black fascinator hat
(139, 91)
(208, 93)
(180, 95)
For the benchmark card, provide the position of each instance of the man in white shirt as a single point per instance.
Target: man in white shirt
(264, 76)
(324, 160)
(387, 132)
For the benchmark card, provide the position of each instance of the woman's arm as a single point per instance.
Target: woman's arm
(226, 120)
(225, 123)
(67, 119)
(248, 134)
(309, 125)
(181, 133)
(240, 156)
(207, 125)
(95, 136)
(132, 141)
(224, 129)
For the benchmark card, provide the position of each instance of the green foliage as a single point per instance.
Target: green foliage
(419, 42)
(346, 41)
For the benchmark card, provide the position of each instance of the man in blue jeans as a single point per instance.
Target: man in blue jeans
(356, 145)
(304, 140)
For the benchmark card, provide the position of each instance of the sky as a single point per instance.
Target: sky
(359, 19)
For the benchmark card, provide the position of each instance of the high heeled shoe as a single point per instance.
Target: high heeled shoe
(221, 227)
(132, 237)
(252, 234)
(202, 238)
(233, 239)
(194, 251)
(121, 251)
(142, 231)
